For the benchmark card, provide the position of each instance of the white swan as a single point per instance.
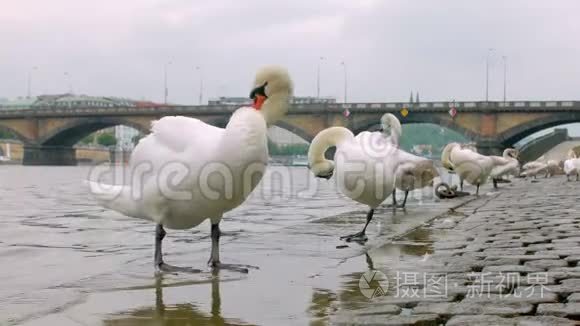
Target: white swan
(572, 165)
(197, 171)
(364, 165)
(510, 167)
(553, 168)
(469, 165)
(533, 168)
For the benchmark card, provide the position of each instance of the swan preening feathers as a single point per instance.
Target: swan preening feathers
(196, 150)
(369, 166)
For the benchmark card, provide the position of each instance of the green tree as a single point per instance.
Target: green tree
(6, 135)
(88, 139)
(107, 139)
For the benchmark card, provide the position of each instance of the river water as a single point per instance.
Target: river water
(67, 261)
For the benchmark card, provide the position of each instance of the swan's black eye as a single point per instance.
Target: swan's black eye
(260, 90)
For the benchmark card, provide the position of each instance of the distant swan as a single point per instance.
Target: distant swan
(213, 164)
(533, 168)
(364, 165)
(469, 165)
(572, 165)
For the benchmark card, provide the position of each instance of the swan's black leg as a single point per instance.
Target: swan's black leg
(360, 236)
(477, 191)
(461, 184)
(214, 260)
(161, 266)
(494, 183)
(393, 195)
(404, 200)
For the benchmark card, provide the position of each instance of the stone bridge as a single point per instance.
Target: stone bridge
(48, 133)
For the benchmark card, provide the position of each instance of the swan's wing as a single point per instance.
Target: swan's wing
(172, 136)
(179, 133)
(375, 144)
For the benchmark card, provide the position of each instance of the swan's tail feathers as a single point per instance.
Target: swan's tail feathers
(115, 197)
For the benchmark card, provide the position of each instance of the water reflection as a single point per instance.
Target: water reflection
(176, 315)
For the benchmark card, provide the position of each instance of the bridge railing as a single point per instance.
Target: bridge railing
(511, 106)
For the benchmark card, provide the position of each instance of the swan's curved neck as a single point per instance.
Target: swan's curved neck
(327, 138)
(275, 107)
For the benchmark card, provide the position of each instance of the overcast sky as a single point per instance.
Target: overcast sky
(439, 48)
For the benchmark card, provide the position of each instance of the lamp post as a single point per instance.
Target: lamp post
(29, 82)
(504, 78)
(68, 81)
(487, 74)
(165, 89)
(318, 77)
(345, 81)
(198, 69)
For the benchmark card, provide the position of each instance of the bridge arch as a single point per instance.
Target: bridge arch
(16, 134)
(72, 132)
(296, 130)
(511, 136)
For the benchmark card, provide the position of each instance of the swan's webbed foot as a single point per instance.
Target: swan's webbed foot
(166, 268)
(357, 237)
(240, 268)
(360, 236)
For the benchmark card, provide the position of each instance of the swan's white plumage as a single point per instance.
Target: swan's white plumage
(217, 168)
(364, 165)
(572, 164)
(469, 165)
(532, 169)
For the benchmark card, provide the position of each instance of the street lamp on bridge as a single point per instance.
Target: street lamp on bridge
(489, 51)
(318, 77)
(345, 80)
(504, 78)
(29, 81)
(68, 81)
(198, 69)
(165, 89)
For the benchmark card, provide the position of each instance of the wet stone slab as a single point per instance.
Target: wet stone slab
(473, 308)
(547, 263)
(487, 320)
(560, 309)
(427, 320)
(574, 297)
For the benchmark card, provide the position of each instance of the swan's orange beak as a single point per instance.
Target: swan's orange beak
(259, 101)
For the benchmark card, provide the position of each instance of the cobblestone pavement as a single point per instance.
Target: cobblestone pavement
(509, 257)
